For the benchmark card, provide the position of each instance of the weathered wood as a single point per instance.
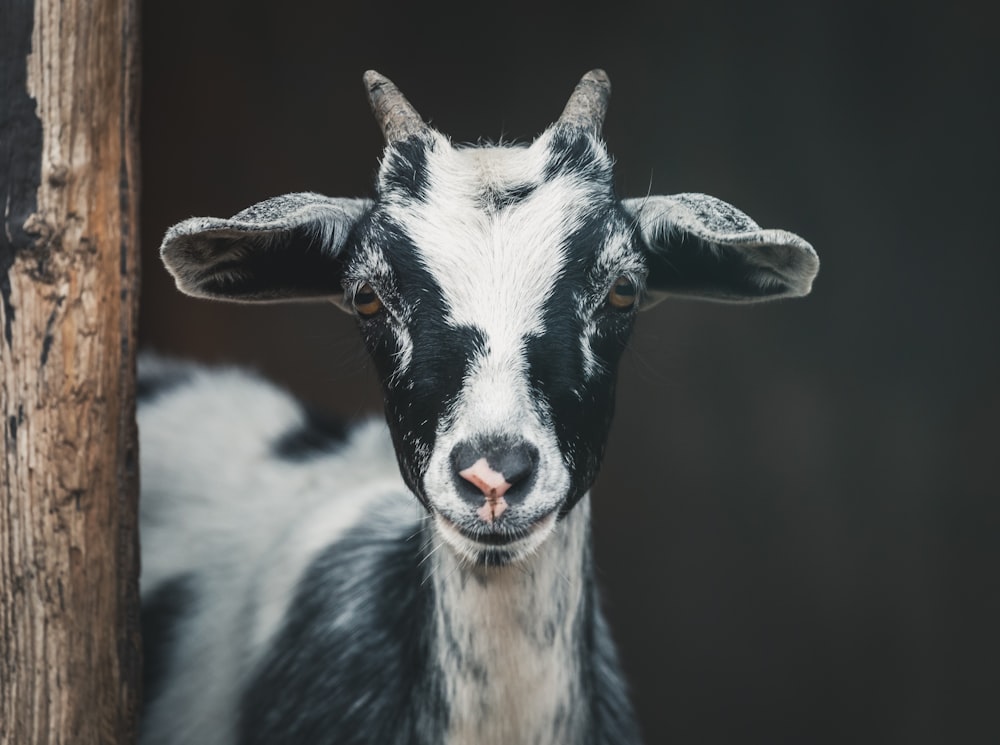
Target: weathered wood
(69, 636)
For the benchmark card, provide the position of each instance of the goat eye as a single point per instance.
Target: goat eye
(622, 293)
(366, 301)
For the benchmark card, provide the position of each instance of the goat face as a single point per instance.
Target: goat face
(495, 288)
(505, 282)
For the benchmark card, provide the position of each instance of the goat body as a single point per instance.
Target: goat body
(294, 590)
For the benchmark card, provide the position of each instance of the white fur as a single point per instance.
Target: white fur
(251, 526)
(520, 628)
(218, 506)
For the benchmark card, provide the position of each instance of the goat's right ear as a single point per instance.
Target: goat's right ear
(286, 248)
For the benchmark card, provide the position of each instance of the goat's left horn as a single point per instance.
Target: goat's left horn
(589, 103)
(396, 116)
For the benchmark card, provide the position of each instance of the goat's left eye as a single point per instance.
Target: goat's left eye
(622, 294)
(366, 301)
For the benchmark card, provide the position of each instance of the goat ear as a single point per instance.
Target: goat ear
(701, 247)
(286, 248)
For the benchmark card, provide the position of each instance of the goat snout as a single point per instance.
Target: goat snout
(500, 472)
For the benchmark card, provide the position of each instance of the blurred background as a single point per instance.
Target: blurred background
(797, 519)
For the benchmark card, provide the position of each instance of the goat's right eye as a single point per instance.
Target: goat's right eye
(366, 301)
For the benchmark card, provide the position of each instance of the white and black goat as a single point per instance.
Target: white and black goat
(294, 590)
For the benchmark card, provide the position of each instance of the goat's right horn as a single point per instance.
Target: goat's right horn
(589, 102)
(395, 115)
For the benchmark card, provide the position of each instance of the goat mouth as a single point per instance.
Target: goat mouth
(493, 538)
(498, 544)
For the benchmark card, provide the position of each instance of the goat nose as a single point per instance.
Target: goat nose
(499, 471)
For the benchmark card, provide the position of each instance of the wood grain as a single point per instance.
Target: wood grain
(69, 632)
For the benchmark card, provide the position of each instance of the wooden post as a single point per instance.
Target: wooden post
(69, 631)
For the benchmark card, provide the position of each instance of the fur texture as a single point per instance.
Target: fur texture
(298, 592)
(296, 599)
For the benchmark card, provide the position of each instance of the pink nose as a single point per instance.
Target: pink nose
(500, 475)
(492, 484)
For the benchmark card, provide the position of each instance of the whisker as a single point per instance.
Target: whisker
(430, 553)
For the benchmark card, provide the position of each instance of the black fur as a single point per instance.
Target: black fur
(355, 661)
(682, 263)
(152, 385)
(415, 402)
(581, 410)
(161, 614)
(405, 168)
(296, 265)
(321, 685)
(614, 721)
(572, 152)
(320, 434)
(498, 198)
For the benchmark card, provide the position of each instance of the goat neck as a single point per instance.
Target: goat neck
(510, 640)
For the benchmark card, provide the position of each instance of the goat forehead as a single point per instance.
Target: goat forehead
(491, 269)
(495, 228)
(491, 166)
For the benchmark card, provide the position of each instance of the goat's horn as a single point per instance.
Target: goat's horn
(589, 103)
(396, 116)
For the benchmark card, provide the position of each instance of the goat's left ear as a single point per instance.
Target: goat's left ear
(701, 247)
(286, 248)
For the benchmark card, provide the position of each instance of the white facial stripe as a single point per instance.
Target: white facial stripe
(496, 400)
(495, 269)
(492, 227)
(590, 363)
(404, 352)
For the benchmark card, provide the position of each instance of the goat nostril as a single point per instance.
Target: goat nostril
(493, 469)
(515, 465)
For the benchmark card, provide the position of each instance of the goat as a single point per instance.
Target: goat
(293, 589)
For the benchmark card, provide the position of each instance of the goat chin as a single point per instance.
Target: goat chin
(480, 552)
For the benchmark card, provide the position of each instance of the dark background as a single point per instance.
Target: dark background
(797, 519)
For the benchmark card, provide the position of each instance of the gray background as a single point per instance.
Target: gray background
(797, 519)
